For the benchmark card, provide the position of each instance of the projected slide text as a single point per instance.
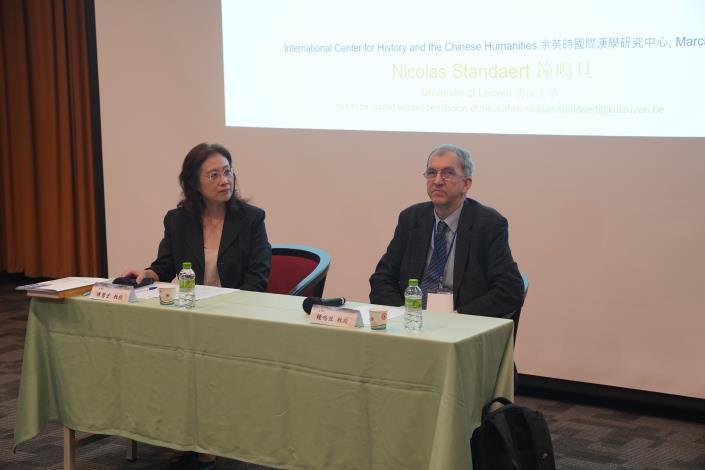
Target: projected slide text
(575, 68)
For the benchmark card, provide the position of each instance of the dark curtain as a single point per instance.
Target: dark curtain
(49, 212)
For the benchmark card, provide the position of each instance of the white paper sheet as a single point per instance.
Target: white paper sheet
(205, 292)
(63, 284)
(202, 292)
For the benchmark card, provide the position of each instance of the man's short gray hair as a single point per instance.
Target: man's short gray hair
(463, 156)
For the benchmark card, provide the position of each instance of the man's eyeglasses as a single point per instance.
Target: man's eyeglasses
(446, 174)
(215, 174)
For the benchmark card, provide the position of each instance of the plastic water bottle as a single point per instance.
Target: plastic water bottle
(413, 315)
(187, 286)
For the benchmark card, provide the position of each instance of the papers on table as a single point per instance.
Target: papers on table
(392, 312)
(61, 288)
(149, 292)
(202, 292)
(65, 283)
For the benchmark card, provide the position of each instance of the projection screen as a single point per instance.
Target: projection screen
(605, 200)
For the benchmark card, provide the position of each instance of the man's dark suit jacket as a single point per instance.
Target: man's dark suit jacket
(486, 280)
(244, 256)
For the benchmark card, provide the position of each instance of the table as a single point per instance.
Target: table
(245, 376)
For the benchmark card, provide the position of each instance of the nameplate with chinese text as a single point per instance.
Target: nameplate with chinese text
(113, 293)
(331, 316)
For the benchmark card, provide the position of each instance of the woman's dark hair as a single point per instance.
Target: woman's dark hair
(192, 201)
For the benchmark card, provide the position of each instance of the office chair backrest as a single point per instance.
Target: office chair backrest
(516, 316)
(298, 270)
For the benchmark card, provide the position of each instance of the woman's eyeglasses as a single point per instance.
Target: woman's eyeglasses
(216, 174)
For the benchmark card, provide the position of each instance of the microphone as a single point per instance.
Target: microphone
(309, 302)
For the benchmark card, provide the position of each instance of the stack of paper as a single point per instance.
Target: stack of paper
(61, 288)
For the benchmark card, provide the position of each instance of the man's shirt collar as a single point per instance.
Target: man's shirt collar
(452, 220)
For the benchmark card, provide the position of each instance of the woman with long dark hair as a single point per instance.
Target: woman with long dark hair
(223, 236)
(219, 233)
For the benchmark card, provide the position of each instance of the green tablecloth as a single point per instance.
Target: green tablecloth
(245, 376)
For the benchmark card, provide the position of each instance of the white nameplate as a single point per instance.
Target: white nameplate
(113, 293)
(342, 317)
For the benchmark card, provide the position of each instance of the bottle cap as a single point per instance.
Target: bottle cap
(413, 282)
(186, 265)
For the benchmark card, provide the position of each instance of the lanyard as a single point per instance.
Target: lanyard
(442, 268)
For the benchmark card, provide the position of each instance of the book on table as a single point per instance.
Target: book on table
(61, 288)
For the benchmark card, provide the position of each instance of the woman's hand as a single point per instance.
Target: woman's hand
(140, 274)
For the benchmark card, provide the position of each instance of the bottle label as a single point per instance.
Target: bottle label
(412, 303)
(187, 283)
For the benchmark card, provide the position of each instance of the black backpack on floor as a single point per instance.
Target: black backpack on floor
(512, 437)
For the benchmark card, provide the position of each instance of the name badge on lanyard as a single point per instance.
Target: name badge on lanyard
(441, 300)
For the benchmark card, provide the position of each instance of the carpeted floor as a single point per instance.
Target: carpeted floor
(583, 437)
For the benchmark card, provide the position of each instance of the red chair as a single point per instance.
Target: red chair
(298, 270)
